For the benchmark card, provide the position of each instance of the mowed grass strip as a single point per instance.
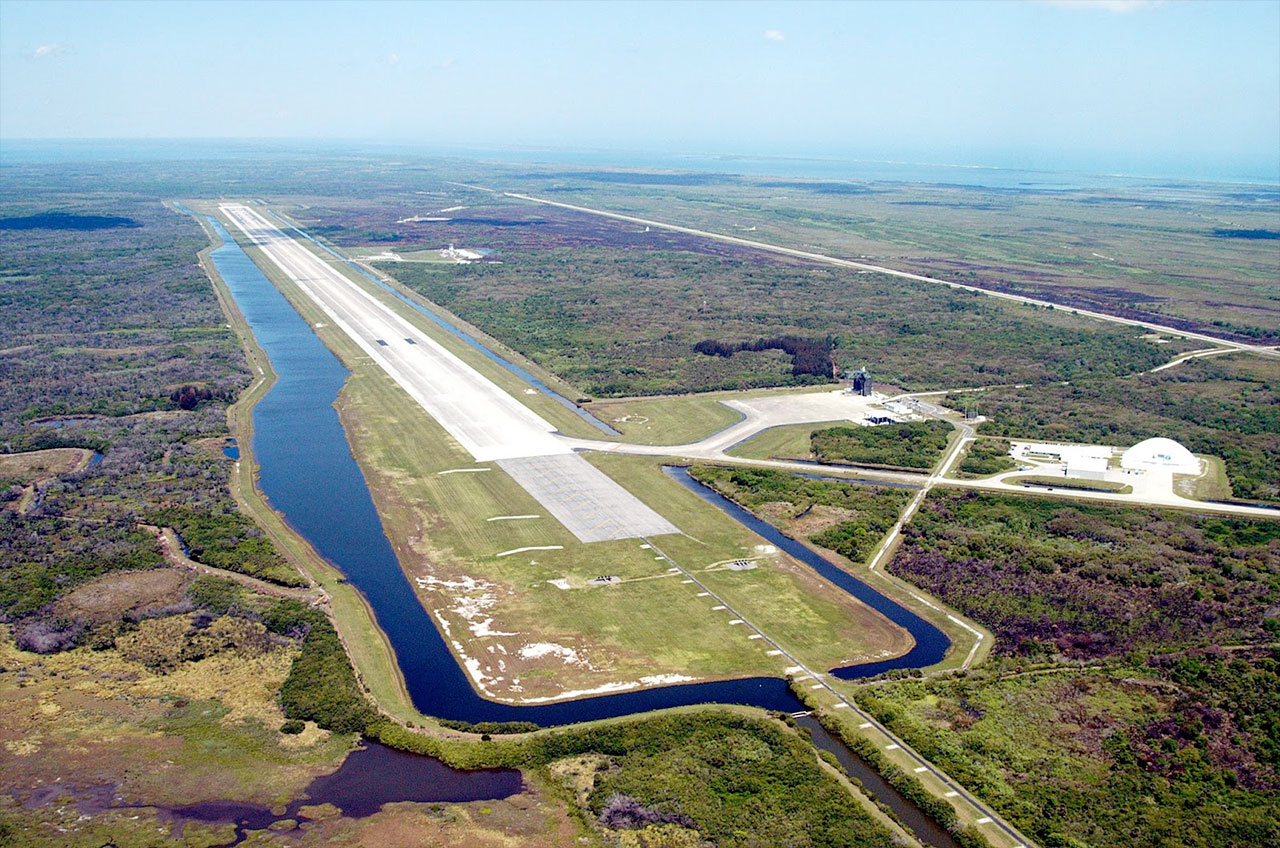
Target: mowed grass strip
(668, 420)
(790, 441)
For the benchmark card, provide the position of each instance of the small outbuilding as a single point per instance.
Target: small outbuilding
(1160, 454)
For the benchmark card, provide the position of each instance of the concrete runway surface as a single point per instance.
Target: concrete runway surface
(487, 422)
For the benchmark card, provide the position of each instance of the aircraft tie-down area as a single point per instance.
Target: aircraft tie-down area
(484, 419)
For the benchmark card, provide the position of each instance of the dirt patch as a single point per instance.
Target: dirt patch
(30, 466)
(112, 596)
(817, 519)
(527, 820)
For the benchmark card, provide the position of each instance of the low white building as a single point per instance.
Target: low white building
(1088, 467)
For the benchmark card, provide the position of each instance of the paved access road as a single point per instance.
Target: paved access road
(880, 269)
(486, 421)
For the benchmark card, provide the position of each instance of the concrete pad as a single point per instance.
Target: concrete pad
(593, 507)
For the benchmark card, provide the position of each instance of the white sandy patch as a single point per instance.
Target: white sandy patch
(536, 650)
(559, 583)
(665, 679)
(653, 680)
(579, 693)
(471, 601)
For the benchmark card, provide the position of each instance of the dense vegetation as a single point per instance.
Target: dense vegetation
(737, 781)
(1088, 581)
(624, 320)
(321, 685)
(985, 457)
(1116, 758)
(113, 340)
(717, 776)
(848, 518)
(1226, 406)
(42, 556)
(228, 540)
(811, 357)
(913, 444)
(1135, 697)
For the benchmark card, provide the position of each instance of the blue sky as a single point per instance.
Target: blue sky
(955, 81)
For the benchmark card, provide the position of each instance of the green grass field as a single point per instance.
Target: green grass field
(667, 420)
(787, 442)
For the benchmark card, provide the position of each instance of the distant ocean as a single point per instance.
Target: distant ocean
(1081, 174)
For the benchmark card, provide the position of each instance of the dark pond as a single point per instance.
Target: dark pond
(66, 221)
(369, 778)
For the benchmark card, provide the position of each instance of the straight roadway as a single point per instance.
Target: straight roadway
(486, 421)
(880, 269)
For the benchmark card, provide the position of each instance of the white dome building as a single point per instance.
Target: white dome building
(1161, 454)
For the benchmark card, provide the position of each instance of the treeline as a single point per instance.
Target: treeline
(228, 540)
(913, 444)
(808, 356)
(321, 686)
(863, 514)
(985, 457)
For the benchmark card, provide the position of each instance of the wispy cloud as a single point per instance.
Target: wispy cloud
(774, 35)
(445, 63)
(48, 51)
(1121, 7)
(393, 59)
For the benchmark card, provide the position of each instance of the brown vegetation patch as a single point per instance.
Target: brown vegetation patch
(30, 466)
(113, 596)
(528, 820)
(817, 518)
(204, 731)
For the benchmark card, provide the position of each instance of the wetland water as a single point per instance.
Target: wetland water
(368, 778)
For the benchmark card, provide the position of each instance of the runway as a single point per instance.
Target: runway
(483, 419)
